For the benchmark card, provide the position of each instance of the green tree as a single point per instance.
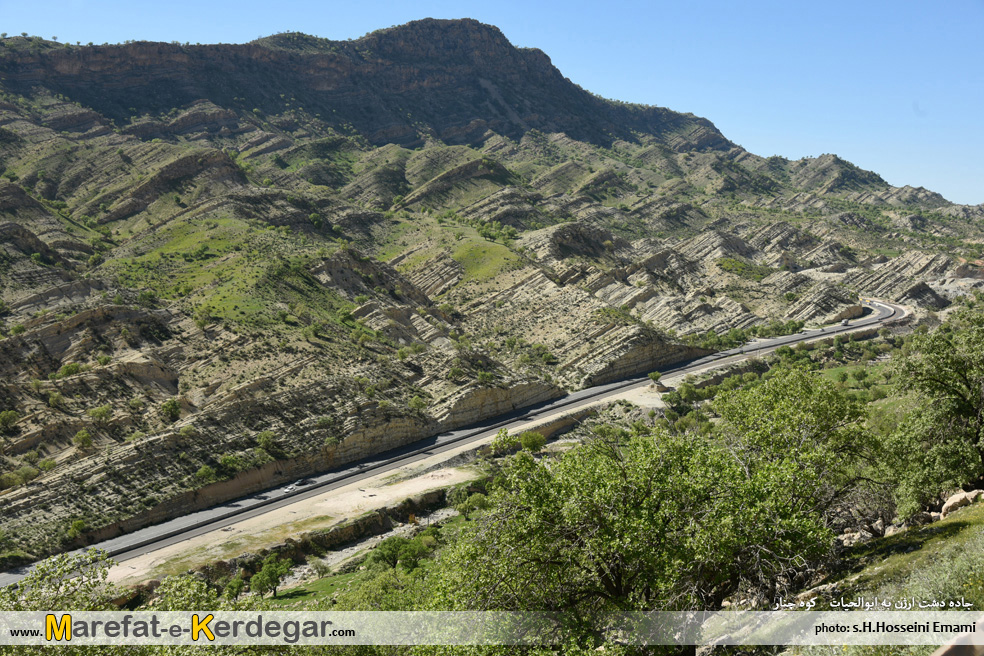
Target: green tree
(940, 445)
(73, 581)
(170, 410)
(388, 551)
(271, 573)
(802, 422)
(234, 588)
(82, 440)
(267, 441)
(101, 414)
(632, 522)
(8, 418)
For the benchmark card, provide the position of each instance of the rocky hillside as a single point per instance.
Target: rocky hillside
(226, 266)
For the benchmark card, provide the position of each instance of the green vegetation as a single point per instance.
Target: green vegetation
(82, 440)
(743, 269)
(738, 336)
(170, 410)
(271, 573)
(8, 419)
(939, 445)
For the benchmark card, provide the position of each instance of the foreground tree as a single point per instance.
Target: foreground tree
(654, 521)
(939, 446)
(270, 575)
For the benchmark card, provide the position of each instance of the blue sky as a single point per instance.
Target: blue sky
(895, 87)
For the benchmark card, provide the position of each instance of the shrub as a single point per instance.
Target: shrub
(205, 474)
(147, 298)
(101, 414)
(532, 441)
(27, 473)
(82, 440)
(76, 528)
(503, 442)
(8, 418)
(417, 404)
(170, 410)
(69, 369)
(476, 501)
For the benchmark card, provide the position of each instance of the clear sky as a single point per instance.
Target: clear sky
(895, 87)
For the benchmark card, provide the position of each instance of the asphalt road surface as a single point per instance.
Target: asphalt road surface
(196, 523)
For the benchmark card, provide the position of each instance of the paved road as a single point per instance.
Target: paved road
(182, 528)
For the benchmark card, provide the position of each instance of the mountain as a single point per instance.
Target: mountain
(226, 266)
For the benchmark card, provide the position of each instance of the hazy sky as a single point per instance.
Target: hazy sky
(895, 87)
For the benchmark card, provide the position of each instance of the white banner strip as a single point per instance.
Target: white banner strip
(489, 628)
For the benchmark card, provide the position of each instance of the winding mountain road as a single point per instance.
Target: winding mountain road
(170, 532)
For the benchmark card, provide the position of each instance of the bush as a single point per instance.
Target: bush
(69, 369)
(27, 473)
(170, 410)
(320, 567)
(503, 442)
(417, 404)
(147, 298)
(532, 441)
(476, 501)
(76, 528)
(8, 479)
(82, 440)
(8, 418)
(205, 474)
(101, 414)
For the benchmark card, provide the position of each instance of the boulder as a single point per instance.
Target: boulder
(959, 500)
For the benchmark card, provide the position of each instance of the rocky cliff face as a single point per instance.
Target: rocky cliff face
(384, 84)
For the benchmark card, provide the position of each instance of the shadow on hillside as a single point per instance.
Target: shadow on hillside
(293, 593)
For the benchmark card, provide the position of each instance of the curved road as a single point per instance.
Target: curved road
(179, 529)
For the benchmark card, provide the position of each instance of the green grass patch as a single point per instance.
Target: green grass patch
(482, 259)
(315, 590)
(942, 561)
(744, 269)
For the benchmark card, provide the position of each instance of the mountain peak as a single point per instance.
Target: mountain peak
(457, 80)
